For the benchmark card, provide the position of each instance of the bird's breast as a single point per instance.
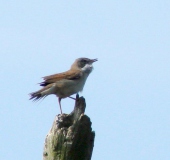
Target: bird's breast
(66, 88)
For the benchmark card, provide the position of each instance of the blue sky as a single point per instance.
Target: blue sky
(127, 94)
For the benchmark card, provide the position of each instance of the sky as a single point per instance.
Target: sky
(127, 94)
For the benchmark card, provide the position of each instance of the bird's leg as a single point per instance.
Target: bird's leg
(77, 97)
(59, 101)
(72, 98)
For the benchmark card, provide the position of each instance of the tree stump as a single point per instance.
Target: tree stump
(71, 136)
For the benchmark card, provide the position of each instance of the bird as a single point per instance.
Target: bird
(67, 83)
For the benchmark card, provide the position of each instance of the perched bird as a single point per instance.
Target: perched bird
(66, 83)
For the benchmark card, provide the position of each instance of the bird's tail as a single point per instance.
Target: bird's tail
(35, 96)
(42, 93)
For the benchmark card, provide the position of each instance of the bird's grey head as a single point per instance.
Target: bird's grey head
(84, 64)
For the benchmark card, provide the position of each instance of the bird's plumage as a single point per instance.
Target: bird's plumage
(66, 83)
(69, 75)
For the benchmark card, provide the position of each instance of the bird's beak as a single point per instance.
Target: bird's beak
(94, 60)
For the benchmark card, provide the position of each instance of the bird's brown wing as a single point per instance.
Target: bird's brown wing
(70, 75)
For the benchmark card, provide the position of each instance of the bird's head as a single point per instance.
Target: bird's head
(84, 64)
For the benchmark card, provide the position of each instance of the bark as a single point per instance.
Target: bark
(71, 136)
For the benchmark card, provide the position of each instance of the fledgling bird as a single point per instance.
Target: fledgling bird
(66, 83)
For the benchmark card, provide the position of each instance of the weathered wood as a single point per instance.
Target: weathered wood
(71, 136)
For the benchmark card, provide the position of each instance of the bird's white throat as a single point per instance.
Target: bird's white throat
(87, 68)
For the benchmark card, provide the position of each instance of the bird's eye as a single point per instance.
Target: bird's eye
(83, 61)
